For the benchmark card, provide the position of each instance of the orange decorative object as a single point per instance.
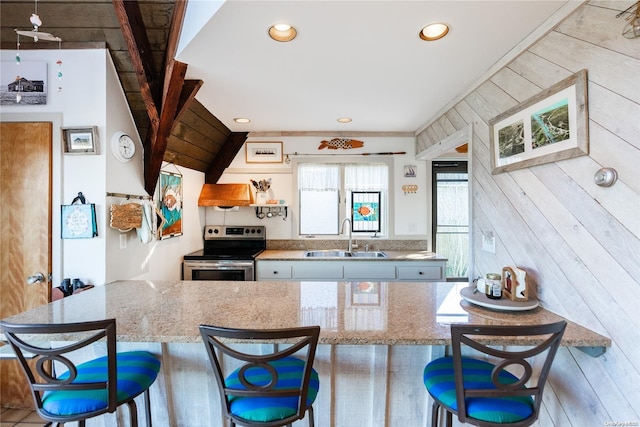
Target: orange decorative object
(336, 143)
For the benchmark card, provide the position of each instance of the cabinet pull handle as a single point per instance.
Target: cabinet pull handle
(275, 272)
(420, 273)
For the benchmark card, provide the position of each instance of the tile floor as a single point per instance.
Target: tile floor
(20, 418)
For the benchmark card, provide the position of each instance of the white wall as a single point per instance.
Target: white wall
(92, 96)
(409, 220)
(80, 103)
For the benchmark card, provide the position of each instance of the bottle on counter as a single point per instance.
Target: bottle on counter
(493, 286)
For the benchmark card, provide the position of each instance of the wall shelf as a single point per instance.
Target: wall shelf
(271, 211)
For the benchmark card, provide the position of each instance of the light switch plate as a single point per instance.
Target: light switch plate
(489, 242)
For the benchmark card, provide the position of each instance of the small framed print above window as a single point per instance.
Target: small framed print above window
(366, 211)
(263, 152)
(81, 140)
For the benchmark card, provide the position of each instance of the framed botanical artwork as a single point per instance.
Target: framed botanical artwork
(263, 152)
(365, 213)
(170, 204)
(548, 127)
(81, 140)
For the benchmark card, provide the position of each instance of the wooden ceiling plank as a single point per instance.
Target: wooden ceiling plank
(193, 137)
(225, 156)
(197, 125)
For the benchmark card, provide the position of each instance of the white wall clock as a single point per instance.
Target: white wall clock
(123, 147)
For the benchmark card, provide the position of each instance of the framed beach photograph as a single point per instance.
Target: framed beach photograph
(263, 152)
(80, 140)
(548, 127)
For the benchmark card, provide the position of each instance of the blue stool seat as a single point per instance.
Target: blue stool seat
(439, 380)
(136, 371)
(290, 372)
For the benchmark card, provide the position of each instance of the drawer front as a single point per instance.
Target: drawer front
(432, 272)
(318, 270)
(274, 270)
(358, 270)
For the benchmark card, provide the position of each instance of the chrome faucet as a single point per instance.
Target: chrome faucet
(350, 247)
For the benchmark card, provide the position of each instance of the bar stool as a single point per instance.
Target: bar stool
(485, 393)
(270, 389)
(87, 389)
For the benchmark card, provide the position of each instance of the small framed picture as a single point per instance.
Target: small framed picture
(81, 140)
(410, 171)
(263, 152)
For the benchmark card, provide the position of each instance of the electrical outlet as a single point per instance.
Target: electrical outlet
(489, 242)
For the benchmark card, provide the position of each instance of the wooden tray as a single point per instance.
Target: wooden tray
(504, 304)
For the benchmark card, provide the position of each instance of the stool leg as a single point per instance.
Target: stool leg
(435, 408)
(133, 413)
(311, 420)
(147, 407)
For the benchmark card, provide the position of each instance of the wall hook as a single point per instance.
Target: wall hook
(605, 177)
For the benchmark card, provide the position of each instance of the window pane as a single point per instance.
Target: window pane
(318, 212)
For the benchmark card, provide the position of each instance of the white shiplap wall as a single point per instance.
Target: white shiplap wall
(580, 243)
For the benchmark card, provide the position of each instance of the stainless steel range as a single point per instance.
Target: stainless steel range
(229, 253)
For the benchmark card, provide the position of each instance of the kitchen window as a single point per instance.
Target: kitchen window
(324, 194)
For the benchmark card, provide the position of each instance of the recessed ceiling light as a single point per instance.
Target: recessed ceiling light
(282, 32)
(434, 31)
(241, 120)
(344, 120)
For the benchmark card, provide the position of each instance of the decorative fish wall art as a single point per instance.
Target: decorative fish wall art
(344, 143)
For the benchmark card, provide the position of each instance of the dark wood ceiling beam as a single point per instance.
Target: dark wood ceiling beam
(189, 90)
(158, 145)
(225, 156)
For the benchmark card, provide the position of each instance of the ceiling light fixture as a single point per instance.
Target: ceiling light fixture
(241, 120)
(282, 32)
(434, 31)
(344, 120)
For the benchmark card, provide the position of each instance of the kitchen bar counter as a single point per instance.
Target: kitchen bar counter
(350, 313)
(375, 340)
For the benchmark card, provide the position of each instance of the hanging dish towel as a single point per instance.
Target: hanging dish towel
(146, 231)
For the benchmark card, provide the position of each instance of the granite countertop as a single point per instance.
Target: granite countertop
(392, 255)
(352, 313)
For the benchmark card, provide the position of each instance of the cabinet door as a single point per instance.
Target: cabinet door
(273, 270)
(369, 271)
(434, 272)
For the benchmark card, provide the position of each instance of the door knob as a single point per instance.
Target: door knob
(36, 278)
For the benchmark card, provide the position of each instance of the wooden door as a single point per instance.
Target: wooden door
(25, 235)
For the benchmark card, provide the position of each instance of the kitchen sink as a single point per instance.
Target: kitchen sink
(334, 253)
(370, 254)
(328, 254)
